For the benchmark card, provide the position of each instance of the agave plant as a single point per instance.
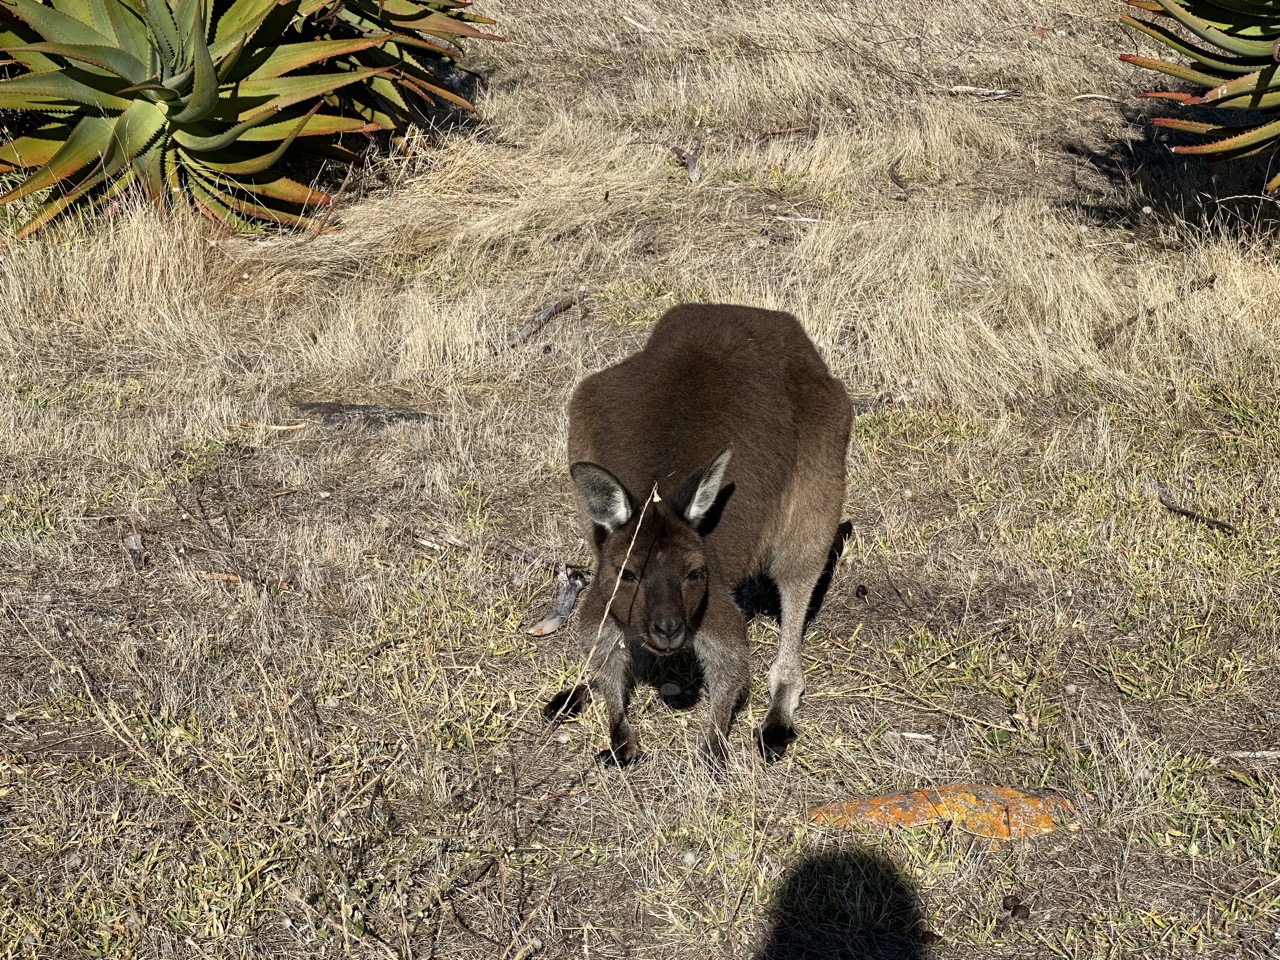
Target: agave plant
(1235, 49)
(181, 99)
(420, 55)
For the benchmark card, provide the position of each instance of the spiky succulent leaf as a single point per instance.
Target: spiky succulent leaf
(35, 149)
(1236, 67)
(423, 56)
(133, 91)
(202, 99)
(112, 59)
(83, 146)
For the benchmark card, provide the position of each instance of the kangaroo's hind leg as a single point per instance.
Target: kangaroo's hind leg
(796, 566)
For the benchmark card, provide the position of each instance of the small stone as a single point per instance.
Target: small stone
(669, 689)
(689, 859)
(1070, 689)
(562, 739)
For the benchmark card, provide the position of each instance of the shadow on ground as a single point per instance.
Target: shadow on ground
(1119, 177)
(844, 904)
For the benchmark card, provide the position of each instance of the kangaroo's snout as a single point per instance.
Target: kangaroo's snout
(666, 634)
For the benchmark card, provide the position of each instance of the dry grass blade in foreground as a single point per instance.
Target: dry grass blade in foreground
(357, 766)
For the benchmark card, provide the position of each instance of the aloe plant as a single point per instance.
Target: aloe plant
(420, 54)
(182, 100)
(1234, 49)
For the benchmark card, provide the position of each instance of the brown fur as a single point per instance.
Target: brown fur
(732, 416)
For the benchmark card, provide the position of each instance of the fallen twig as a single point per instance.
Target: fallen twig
(1253, 754)
(908, 735)
(276, 494)
(1182, 511)
(571, 583)
(896, 177)
(545, 316)
(638, 25)
(322, 225)
(256, 425)
(986, 93)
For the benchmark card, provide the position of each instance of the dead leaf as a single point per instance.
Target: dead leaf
(571, 583)
(998, 813)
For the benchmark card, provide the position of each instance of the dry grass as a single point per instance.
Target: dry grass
(1053, 319)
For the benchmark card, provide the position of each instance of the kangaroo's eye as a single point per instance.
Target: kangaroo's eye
(694, 576)
(626, 576)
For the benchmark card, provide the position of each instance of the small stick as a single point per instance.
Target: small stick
(1253, 754)
(898, 182)
(545, 316)
(323, 225)
(254, 424)
(218, 575)
(638, 25)
(987, 93)
(1182, 511)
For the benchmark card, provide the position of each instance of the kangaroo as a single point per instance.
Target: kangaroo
(714, 454)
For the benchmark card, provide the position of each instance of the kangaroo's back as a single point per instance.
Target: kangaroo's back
(710, 376)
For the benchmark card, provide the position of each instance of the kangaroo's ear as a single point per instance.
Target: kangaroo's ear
(604, 499)
(698, 493)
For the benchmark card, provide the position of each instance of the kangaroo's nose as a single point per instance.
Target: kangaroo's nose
(667, 632)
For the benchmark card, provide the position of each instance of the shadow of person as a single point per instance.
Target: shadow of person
(846, 904)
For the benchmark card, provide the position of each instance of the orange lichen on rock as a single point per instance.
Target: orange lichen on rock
(998, 813)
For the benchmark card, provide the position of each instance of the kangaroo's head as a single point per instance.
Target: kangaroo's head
(652, 550)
